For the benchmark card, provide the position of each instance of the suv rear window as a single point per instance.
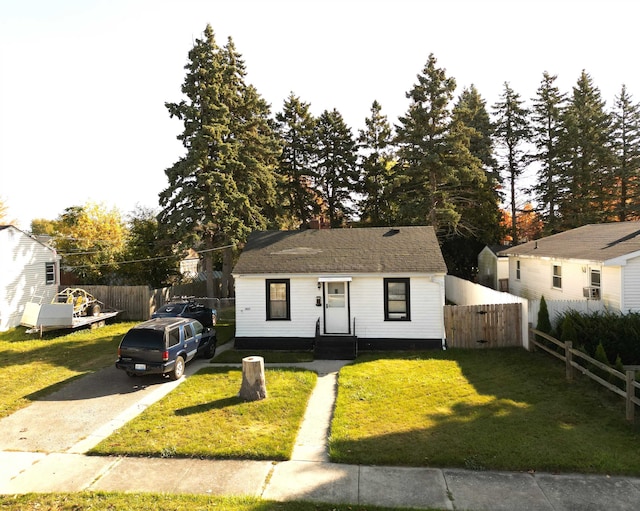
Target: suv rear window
(143, 338)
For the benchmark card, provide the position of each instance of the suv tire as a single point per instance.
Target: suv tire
(178, 371)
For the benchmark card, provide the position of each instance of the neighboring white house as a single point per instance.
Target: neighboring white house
(30, 272)
(381, 287)
(493, 268)
(593, 262)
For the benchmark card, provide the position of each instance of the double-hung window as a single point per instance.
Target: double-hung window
(278, 299)
(397, 303)
(518, 269)
(557, 276)
(50, 273)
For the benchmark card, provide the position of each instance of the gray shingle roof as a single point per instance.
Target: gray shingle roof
(594, 242)
(364, 250)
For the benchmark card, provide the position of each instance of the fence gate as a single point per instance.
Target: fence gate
(483, 326)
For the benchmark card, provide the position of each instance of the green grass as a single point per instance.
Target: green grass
(85, 501)
(31, 367)
(273, 357)
(204, 417)
(226, 325)
(479, 409)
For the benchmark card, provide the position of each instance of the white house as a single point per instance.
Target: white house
(493, 268)
(375, 288)
(30, 272)
(593, 262)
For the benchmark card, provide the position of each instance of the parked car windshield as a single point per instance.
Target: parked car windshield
(172, 308)
(143, 338)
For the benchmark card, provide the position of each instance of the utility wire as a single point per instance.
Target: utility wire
(139, 260)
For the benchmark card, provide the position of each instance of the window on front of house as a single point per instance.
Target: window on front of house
(278, 300)
(50, 273)
(397, 303)
(557, 276)
(517, 270)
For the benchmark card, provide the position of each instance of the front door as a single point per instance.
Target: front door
(336, 308)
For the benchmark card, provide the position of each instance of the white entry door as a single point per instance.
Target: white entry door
(336, 308)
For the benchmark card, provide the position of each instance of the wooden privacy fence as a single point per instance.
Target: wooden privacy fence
(483, 326)
(137, 303)
(628, 378)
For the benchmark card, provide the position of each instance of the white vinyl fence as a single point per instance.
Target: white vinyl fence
(558, 307)
(464, 292)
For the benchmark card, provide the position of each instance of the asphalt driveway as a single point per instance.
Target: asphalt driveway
(84, 411)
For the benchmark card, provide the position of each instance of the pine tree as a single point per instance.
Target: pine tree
(547, 127)
(433, 154)
(222, 187)
(376, 165)
(480, 197)
(626, 144)
(512, 133)
(336, 170)
(296, 127)
(587, 156)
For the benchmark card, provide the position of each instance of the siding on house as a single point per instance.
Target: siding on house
(23, 276)
(630, 286)
(367, 308)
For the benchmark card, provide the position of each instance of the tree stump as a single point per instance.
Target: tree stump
(253, 386)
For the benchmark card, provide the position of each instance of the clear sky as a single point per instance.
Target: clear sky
(83, 83)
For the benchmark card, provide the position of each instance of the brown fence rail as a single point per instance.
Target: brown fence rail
(483, 326)
(568, 355)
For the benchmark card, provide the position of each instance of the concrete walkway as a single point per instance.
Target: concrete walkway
(307, 476)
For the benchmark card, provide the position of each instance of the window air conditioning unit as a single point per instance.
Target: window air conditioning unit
(591, 293)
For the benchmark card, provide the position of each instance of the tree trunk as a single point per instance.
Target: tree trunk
(253, 386)
(227, 264)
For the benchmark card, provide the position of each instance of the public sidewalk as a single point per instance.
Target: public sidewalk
(309, 475)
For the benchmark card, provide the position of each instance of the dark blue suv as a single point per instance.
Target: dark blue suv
(164, 346)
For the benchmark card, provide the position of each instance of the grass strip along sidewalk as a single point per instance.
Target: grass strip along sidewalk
(85, 501)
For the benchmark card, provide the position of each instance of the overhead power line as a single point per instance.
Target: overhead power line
(138, 260)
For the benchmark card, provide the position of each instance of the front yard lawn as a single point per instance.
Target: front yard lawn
(501, 409)
(31, 367)
(204, 417)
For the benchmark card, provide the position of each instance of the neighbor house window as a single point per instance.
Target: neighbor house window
(517, 270)
(557, 276)
(278, 299)
(397, 305)
(50, 273)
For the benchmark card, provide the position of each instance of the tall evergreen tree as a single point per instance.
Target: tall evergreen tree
(376, 165)
(547, 128)
(588, 157)
(296, 127)
(480, 204)
(219, 189)
(433, 154)
(512, 132)
(626, 145)
(336, 170)
(478, 196)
